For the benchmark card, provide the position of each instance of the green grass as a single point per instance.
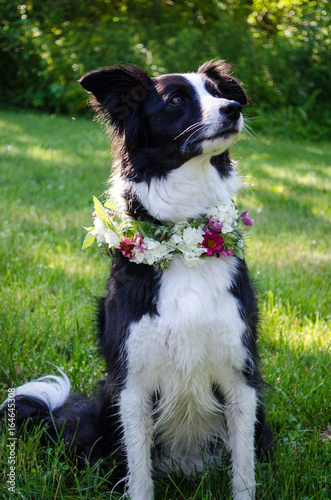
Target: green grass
(50, 168)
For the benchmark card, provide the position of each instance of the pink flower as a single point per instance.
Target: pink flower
(246, 220)
(226, 253)
(213, 225)
(213, 243)
(126, 247)
(139, 240)
(109, 213)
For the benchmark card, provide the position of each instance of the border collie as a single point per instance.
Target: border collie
(179, 341)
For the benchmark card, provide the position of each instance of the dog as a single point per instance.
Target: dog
(179, 335)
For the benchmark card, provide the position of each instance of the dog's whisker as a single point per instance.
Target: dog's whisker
(249, 131)
(188, 129)
(201, 129)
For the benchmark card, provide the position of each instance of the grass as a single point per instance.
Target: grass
(50, 167)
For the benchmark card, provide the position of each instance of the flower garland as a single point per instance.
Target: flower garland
(148, 242)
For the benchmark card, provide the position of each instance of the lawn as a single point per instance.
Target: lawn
(50, 168)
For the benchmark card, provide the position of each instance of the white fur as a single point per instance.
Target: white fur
(187, 192)
(51, 390)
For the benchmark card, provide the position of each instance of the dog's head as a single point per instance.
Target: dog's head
(174, 117)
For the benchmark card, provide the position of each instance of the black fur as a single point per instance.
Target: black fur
(132, 293)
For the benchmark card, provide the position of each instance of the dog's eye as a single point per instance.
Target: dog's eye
(215, 93)
(175, 100)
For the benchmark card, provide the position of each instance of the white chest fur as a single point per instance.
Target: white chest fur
(195, 342)
(187, 192)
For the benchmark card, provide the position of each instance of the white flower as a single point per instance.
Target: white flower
(155, 251)
(112, 239)
(227, 227)
(138, 256)
(104, 234)
(99, 231)
(189, 240)
(176, 239)
(193, 236)
(193, 259)
(227, 214)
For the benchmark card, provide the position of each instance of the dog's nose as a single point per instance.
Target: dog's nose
(231, 110)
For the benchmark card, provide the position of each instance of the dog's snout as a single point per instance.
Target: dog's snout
(231, 110)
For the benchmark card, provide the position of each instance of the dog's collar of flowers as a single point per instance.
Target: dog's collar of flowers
(152, 242)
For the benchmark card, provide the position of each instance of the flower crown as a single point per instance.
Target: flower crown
(151, 242)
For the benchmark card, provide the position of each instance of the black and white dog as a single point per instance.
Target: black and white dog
(180, 343)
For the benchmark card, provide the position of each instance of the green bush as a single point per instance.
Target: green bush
(281, 50)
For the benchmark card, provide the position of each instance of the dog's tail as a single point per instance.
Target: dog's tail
(90, 426)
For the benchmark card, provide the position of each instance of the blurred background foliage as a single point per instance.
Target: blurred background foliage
(279, 49)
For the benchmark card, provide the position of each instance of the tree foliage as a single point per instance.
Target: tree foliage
(280, 49)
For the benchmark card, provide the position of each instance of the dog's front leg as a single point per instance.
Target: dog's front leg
(240, 413)
(135, 409)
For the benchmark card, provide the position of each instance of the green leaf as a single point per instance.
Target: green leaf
(231, 237)
(109, 205)
(101, 212)
(239, 253)
(88, 240)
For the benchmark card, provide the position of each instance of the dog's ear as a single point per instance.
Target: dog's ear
(219, 73)
(118, 92)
